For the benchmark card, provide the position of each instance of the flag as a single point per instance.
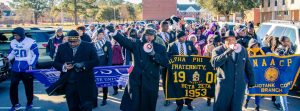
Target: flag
(104, 76)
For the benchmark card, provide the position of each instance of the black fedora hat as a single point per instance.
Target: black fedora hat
(229, 33)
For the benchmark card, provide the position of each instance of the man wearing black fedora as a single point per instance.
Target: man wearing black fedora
(232, 63)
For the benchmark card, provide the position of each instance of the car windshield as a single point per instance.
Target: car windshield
(262, 31)
(42, 36)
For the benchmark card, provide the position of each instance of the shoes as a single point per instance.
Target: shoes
(208, 102)
(29, 107)
(167, 103)
(115, 93)
(16, 107)
(120, 87)
(246, 105)
(257, 108)
(277, 105)
(103, 103)
(190, 107)
(179, 108)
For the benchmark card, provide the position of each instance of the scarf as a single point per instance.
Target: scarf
(99, 44)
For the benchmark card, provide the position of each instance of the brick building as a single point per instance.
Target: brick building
(6, 14)
(252, 15)
(280, 10)
(158, 9)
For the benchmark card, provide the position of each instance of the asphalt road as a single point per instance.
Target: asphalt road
(43, 102)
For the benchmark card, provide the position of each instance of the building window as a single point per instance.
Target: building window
(278, 13)
(286, 12)
(269, 3)
(283, 2)
(292, 1)
(276, 2)
(262, 3)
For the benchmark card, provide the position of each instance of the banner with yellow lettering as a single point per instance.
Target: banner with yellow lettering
(190, 77)
(274, 75)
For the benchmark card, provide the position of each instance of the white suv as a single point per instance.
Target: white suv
(278, 28)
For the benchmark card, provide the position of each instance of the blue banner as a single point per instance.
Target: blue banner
(104, 76)
(274, 75)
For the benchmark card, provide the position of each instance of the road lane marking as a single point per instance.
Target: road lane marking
(21, 108)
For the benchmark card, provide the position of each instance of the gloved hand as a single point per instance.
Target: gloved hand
(79, 67)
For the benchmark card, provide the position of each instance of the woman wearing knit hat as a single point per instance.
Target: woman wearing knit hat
(54, 42)
(193, 39)
(254, 50)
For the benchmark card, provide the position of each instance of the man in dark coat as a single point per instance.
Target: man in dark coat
(168, 37)
(76, 60)
(242, 36)
(165, 34)
(182, 47)
(233, 71)
(141, 92)
(83, 36)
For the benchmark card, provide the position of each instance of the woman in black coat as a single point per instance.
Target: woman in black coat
(141, 92)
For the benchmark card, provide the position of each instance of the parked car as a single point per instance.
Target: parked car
(3, 69)
(40, 36)
(230, 25)
(278, 28)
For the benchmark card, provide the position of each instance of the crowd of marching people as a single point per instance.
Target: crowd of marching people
(115, 45)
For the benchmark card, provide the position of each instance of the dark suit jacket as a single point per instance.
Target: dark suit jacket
(86, 53)
(173, 49)
(172, 37)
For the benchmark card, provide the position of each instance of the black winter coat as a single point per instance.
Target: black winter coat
(141, 92)
(86, 85)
